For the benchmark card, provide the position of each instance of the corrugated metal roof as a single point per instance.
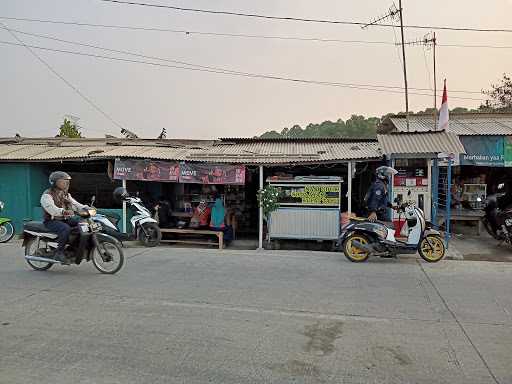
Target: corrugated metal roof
(420, 143)
(274, 152)
(256, 152)
(460, 124)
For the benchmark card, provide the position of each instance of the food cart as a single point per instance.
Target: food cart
(309, 208)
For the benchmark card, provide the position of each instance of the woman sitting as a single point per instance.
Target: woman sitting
(217, 221)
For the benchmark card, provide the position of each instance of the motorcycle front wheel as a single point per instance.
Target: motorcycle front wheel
(108, 257)
(7, 232)
(354, 253)
(153, 237)
(432, 248)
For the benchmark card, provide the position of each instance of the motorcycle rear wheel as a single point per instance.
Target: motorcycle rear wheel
(353, 253)
(432, 248)
(7, 232)
(32, 250)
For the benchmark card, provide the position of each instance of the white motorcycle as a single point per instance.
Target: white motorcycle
(144, 227)
(362, 238)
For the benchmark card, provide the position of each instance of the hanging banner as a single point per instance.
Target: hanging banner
(507, 149)
(484, 151)
(212, 173)
(146, 170)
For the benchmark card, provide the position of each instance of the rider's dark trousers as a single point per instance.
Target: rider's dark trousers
(62, 228)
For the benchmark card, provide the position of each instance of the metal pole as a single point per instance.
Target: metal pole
(405, 66)
(435, 84)
(124, 209)
(260, 231)
(349, 188)
(435, 190)
(448, 202)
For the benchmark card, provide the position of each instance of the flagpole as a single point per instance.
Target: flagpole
(435, 84)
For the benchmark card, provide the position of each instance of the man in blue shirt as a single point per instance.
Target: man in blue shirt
(377, 195)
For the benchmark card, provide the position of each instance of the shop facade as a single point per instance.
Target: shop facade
(185, 173)
(486, 161)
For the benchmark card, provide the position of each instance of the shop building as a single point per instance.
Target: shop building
(185, 172)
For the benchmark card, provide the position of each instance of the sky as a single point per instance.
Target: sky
(201, 105)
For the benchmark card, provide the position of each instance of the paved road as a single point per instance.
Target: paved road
(203, 316)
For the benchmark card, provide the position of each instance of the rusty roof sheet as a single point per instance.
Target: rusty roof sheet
(461, 124)
(420, 143)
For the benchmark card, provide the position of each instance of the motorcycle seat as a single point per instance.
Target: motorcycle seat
(388, 224)
(36, 226)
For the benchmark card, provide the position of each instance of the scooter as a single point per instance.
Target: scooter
(497, 217)
(144, 227)
(86, 242)
(361, 238)
(7, 230)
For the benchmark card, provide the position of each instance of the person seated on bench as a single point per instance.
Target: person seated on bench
(217, 221)
(201, 216)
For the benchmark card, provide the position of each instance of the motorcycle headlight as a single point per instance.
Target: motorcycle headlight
(2, 205)
(92, 211)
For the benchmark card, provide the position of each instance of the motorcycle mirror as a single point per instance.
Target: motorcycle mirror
(93, 199)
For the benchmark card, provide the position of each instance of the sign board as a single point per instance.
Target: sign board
(507, 149)
(146, 170)
(212, 173)
(163, 171)
(310, 194)
(487, 151)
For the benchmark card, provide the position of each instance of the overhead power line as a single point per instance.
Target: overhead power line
(270, 77)
(301, 19)
(181, 62)
(189, 32)
(62, 78)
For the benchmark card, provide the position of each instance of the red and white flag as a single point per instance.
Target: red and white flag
(444, 114)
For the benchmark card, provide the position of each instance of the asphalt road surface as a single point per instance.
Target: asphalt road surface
(206, 316)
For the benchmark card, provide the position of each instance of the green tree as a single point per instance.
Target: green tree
(500, 96)
(69, 129)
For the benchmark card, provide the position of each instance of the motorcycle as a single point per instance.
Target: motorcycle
(361, 238)
(86, 242)
(497, 217)
(7, 230)
(144, 227)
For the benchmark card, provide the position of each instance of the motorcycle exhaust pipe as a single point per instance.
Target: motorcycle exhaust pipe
(363, 247)
(43, 259)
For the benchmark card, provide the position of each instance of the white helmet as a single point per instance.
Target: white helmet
(385, 172)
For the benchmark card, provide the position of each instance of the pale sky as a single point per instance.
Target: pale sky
(204, 105)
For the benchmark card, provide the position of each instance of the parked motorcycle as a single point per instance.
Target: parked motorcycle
(361, 238)
(497, 217)
(144, 227)
(86, 242)
(7, 230)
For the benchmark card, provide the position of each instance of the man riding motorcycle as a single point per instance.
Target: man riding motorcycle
(58, 210)
(377, 196)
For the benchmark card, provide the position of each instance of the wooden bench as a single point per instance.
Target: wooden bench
(219, 234)
(463, 215)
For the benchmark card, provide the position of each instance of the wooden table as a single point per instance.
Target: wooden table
(463, 215)
(219, 234)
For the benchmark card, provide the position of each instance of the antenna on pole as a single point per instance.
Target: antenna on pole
(429, 40)
(405, 65)
(392, 14)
